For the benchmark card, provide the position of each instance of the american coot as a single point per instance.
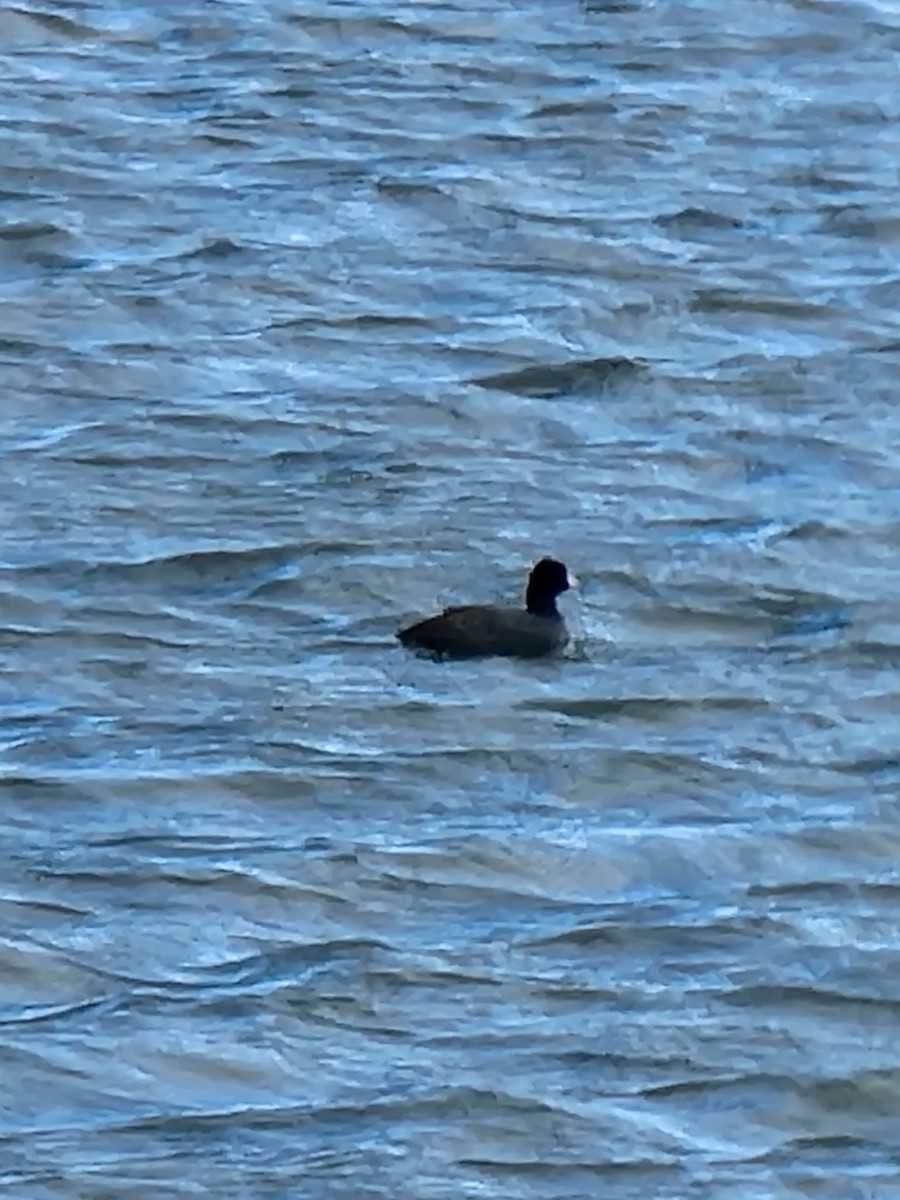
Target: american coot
(475, 630)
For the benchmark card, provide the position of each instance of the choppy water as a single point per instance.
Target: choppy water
(311, 319)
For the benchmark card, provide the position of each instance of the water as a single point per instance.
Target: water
(311, 321)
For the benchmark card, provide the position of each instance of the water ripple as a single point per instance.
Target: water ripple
(311, 322)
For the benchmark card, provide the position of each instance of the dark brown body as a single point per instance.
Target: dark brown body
(475, 631)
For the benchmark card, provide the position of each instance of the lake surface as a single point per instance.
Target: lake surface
(312, 319)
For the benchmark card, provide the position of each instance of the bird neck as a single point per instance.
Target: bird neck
(540, 605)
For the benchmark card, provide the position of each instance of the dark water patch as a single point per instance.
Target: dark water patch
(666, 929)
(878, 651)
(815, 530)
(698, 222)
(642, 708)
(858, 221)
(383, 321)
(813, 889)
(815, 1001)
(874, 766)
(610, 7)
(31, 231)
(716, 300)
(408, 189)
(216, 248)
(229, 141)
(736, 1090)
(581, 378)
(421, 1104)
(578, 1171)
(575, 108)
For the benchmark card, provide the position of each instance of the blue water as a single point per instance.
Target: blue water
(311, 322)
